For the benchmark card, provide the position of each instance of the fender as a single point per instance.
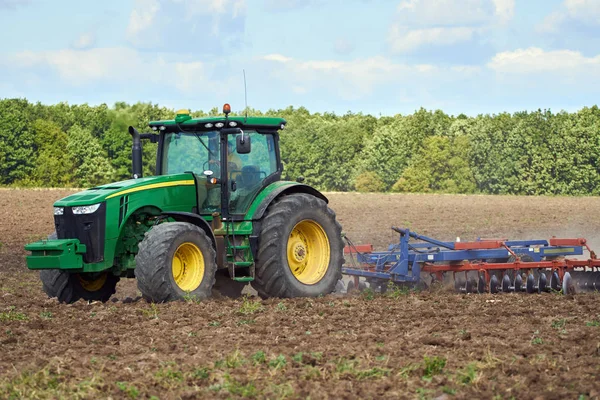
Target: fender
(193, 219)
(257, 211)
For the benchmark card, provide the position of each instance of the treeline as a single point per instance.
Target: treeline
(427, 151)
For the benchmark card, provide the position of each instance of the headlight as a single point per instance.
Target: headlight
(86, 209)
(59, 210)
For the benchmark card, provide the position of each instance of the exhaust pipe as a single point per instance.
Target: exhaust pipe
(136, 153)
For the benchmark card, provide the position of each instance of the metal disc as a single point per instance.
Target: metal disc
(555, 281)
(542, 282)
(459, 285)
(339, 286)
(518, 283)
(469, 286)
(597, 281)
(494, 284)
(362, 286)
(530, 283)
(481, 285)
(506, 284)
(351, 286)
(567, 284)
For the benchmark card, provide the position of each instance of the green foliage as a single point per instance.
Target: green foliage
(433, 366)
(92, 167)
(368, 182)
(530, 153)
(440, 166)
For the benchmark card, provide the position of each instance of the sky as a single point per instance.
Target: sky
(380, 57)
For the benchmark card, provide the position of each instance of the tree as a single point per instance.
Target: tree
(17, 145)
(92, 168)
(54, 166)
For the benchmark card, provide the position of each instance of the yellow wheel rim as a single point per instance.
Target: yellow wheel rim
(92, 285)
(188, 267)
(308, 252)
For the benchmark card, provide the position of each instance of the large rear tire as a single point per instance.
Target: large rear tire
(300, 249)
(175, 260)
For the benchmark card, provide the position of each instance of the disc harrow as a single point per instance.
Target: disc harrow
(482, 266)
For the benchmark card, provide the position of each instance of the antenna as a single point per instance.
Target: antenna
(245, 96)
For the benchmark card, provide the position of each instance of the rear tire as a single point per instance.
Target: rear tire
(300, 249)
(175, 260)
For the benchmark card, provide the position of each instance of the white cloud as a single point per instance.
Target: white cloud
(141, 19)
(277, 57)
(576, 11)
(445, 22)
(85, 41)
(505, 9)
(355, 79)
(115, 65)
(406, 40)
(162, 23)
(536, 60)
(584, 10)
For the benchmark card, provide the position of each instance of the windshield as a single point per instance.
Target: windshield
(191, 151)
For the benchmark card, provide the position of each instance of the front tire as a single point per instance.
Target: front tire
(68, 287)
(300, 249)
(175, 260)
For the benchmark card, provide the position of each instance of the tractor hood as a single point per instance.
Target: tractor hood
(101, 193)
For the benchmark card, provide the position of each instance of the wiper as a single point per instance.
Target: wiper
(197, 137)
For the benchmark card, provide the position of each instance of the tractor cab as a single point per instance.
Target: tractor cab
(231, 159)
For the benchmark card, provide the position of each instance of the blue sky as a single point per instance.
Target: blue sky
(371, 56)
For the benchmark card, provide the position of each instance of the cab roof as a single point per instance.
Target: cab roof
(211, 123)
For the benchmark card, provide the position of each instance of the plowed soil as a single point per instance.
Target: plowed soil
(404, 344)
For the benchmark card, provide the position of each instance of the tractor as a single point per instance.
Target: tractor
(217, 216)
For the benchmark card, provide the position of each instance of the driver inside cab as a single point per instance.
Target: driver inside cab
(234, 162)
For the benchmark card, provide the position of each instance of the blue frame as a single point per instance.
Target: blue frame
(405, 257)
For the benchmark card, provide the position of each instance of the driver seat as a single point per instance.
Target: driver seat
(249, 177)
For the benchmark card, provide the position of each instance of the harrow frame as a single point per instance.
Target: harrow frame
(405, 261)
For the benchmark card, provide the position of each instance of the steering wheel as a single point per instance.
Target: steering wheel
(214, 163)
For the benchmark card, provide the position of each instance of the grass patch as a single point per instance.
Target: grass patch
(394, 291)
(250, 306)
(129, 390)
(469, 374)
(12, 315)
(278, 362)
(247, 390)
(47, 383)
(559, 323)
(594, 322)
(46, 315)
(151, 312)
(368, 294)
(433, 366)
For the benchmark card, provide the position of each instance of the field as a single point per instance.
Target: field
(404, 344)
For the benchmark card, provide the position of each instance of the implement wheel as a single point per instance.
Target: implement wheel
(300, 249)
(68, 287)
(175, 260)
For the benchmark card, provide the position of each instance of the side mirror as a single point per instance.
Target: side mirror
(242, 143)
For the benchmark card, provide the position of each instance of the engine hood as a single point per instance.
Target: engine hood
(101, 193)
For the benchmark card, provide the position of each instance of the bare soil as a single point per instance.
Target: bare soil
(431, 344)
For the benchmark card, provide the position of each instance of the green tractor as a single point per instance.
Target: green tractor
(216, 216)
